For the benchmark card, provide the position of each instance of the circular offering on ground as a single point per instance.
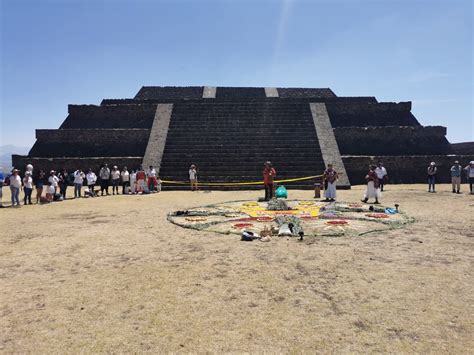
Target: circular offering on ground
(314, 218)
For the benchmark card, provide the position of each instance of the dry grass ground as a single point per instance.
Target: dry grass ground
(112, 275)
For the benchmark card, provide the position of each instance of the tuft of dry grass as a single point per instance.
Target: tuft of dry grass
(113, 275)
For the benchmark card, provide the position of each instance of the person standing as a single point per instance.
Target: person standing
(15, 186)
(193, 177)
(381, 174)
(141, 178)
(104, 175)
(269, 174)
(330, 177)
(470, 175)
(78, 181)
(151, 178)
(432, 170)
(27, 188)
(456, 177)
(91, 178)
(2, 181)
(39, 182)
(125, 176)
(63, 182)
(373, 188)
(133, 182)
(53, 179)
(115, 174)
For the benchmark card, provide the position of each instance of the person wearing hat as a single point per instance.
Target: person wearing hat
(456, 177)
(115, 174)
(269, 174)
(193, 177)
(27, 188)
(15, 186)
(2, 181)
(470, 175)
(432, 170)
(79, 177)
(373, 186)
(54, 180)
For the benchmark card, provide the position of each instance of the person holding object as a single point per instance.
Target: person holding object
(269, 174)
(373, 187)
(78, 181)
(381, 174)
(456, 177)
(432, 169)
(104, 175)
(330, 178)
(193, 177)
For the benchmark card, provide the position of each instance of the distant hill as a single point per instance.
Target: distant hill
(6, 152)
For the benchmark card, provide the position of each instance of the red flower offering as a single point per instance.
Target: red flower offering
(242, 225)
(337, 222)
(377, 215)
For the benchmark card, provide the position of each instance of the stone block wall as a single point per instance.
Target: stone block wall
(170, 92)
(298, 93)
(90, 142)
(466, 148)
(404, 169)
(391, 140)
(240, 93)
(359, 114)
(124, 116)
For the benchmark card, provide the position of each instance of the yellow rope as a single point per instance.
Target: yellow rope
(239, 183)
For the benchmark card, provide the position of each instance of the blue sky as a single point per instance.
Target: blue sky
(77, 51)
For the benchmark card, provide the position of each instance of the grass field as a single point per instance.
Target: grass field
(113, 275)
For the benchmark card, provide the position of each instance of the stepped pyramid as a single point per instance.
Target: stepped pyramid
(229, 132)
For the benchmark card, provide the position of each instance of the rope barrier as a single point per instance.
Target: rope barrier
(239, 183)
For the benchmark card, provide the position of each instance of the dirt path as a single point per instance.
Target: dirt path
(111, 274)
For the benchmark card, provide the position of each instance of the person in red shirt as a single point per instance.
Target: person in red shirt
(268, 175)
(141, 176)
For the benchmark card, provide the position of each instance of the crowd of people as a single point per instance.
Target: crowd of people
(53, 187)
(377, 176)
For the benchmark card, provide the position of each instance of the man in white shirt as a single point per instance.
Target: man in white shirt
(78, 181)
(27, 188)
(91, 178)
(15, 186)
(381, 173)
(104, 175)
(54, 180)
(125, 176)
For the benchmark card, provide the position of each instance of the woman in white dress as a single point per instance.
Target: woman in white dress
(373, 186)
(330, 177)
